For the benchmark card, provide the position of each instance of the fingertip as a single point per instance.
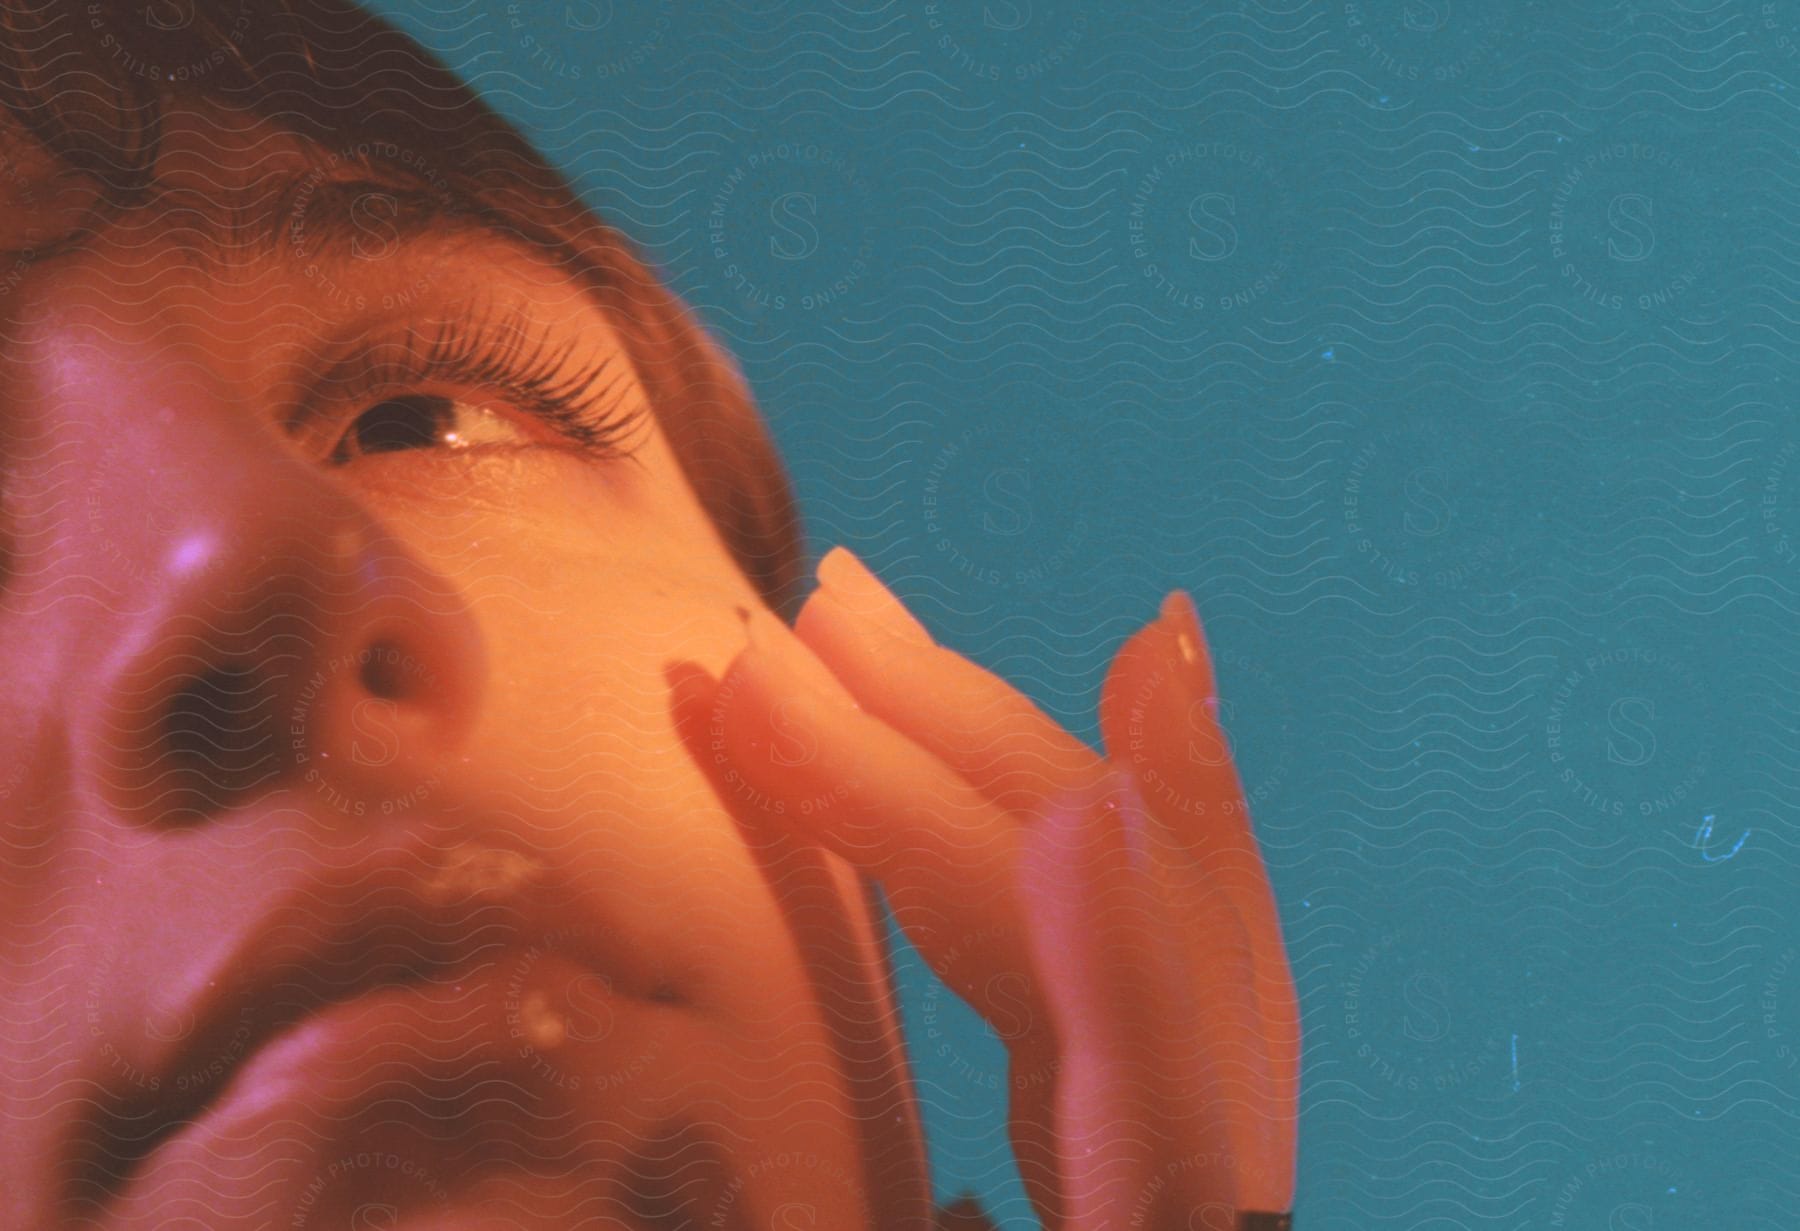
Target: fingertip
(1183, 619)
(1178, 605)
(846, 578)
(776, 645)
(1137, 671)
(836, 558)
(831, 627)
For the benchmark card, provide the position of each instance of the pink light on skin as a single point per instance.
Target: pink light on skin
(191, 551)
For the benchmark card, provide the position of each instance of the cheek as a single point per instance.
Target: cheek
(577, 688)
(577, 732)
(574, 531)
(584, 591)
(578, 637)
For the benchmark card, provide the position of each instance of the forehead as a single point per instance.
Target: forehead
(272, 235)
(206, 160)
(232, 191)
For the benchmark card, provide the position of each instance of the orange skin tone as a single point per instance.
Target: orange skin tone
(588, 708)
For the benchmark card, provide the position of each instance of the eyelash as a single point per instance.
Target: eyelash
(510, 356)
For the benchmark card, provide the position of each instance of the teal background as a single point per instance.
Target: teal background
(1445, 352)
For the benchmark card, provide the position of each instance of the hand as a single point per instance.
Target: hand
(1109, 915)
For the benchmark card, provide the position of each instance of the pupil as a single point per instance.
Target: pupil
(401, 423)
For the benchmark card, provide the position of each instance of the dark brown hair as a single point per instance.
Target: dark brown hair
(86, 80)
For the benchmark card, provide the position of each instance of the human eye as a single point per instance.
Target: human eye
(426, 421)
(474, 383)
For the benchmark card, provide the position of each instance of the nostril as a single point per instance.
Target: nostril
(218, 742)
(388, 672)
(199, 715)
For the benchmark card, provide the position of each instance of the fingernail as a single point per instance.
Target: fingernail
(853, 585)
(1183, 620)
(775, 644)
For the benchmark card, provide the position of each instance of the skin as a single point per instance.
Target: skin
(610, 828)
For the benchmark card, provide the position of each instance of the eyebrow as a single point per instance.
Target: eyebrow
(313, 217)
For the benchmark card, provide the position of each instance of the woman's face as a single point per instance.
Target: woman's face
(343, 810)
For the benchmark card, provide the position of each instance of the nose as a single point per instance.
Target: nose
(271, 633)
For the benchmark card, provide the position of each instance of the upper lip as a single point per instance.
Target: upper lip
(413, 910)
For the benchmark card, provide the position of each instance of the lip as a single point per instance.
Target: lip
(390, 924)
(411, 1092)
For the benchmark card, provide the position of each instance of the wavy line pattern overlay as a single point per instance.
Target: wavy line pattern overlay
(1447, 353)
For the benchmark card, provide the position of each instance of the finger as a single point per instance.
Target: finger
(970, 718)
(1235, 1086)
(791, 749)
(1146, 1117)
(1158, 715)
(1254, 898)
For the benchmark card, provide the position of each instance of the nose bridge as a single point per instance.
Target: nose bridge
(267, 629)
